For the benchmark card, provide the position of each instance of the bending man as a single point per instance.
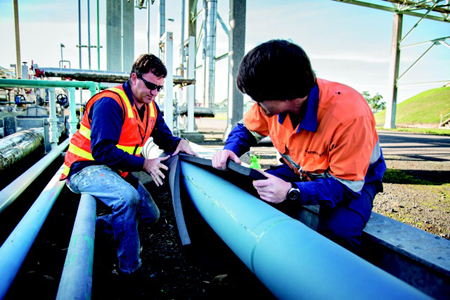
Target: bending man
(325, 133)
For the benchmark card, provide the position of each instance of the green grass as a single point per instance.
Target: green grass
(399, 176)
(424, 108)
(435, 131)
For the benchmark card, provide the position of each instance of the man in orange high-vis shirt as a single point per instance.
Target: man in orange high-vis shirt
(324, 132)
(102, 153)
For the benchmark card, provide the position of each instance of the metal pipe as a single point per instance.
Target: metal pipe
(292, 260)
(182, 48)
(98, 34)
(101, 76)
(16, 247)
(211, 52)
(162, 18)
(53, 119)
(148, 26)
(191, 89)
(76, 278)
(79, 32)
(89, 32)
(73, 121)
(92, 86)
(17, 35)
(15, 188)
(168, 90)
(17, 146)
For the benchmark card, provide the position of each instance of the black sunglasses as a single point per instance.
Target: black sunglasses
(151, 86)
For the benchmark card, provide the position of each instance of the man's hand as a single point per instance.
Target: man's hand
(154, 166)
(272, 189)
(183, 146)
(219, 160)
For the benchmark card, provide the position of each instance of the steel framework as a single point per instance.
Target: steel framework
(437, 10)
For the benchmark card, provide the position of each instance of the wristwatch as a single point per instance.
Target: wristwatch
(294, 193)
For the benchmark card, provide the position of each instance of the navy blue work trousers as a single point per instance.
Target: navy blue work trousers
(343, 223)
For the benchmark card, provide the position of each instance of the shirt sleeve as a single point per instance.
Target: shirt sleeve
(107, 118)
(162, 136)
(324, 191)
(239, 140)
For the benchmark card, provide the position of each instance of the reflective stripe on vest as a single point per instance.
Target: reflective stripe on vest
(80, 152)
(128, 104)
(86, 132)
(125, 99)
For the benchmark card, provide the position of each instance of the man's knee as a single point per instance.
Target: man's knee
(344, 227)
(128, 198)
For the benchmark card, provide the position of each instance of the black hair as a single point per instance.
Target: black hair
(149, 63)
(276, 70)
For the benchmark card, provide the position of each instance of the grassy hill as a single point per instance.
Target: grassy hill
(424, 108)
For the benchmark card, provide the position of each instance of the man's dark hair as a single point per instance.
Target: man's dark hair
(149, 63)
(276, 70)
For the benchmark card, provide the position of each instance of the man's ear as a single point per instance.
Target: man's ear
(133, 78)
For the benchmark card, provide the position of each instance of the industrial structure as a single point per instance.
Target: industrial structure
(254, 237)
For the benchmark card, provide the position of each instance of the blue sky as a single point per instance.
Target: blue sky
(346, 43)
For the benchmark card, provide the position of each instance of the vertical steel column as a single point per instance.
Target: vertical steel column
(73, 121)
(79, 35)
(16, 247)
(168, 86)
(17, 32)
(183, 54)
(391, 103)
(148, 26)
(162, 21)
(211, 18)
(191, 88)
(114, 35)
(89, 32)
(192, 32)
(76, 278)
(127, 34)
(53, 119)
(98, 34)
(236, 52)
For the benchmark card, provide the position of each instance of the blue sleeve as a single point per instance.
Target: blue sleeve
(107, 117)
(162, 136)
(322, 191)
(239, 140)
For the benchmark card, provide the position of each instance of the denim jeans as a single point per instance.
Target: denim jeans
(128, 205)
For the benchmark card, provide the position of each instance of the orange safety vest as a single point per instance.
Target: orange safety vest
(134, 135)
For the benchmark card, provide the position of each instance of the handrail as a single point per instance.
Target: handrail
(445, 117)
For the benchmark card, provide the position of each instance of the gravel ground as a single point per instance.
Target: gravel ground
(415, 192)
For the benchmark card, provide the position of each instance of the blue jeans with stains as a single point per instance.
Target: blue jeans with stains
(129, 206)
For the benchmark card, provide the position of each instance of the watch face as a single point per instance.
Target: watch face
(293, 194)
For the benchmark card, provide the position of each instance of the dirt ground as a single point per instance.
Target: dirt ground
(415, 192)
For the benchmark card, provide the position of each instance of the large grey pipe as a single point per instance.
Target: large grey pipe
(19, 145)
